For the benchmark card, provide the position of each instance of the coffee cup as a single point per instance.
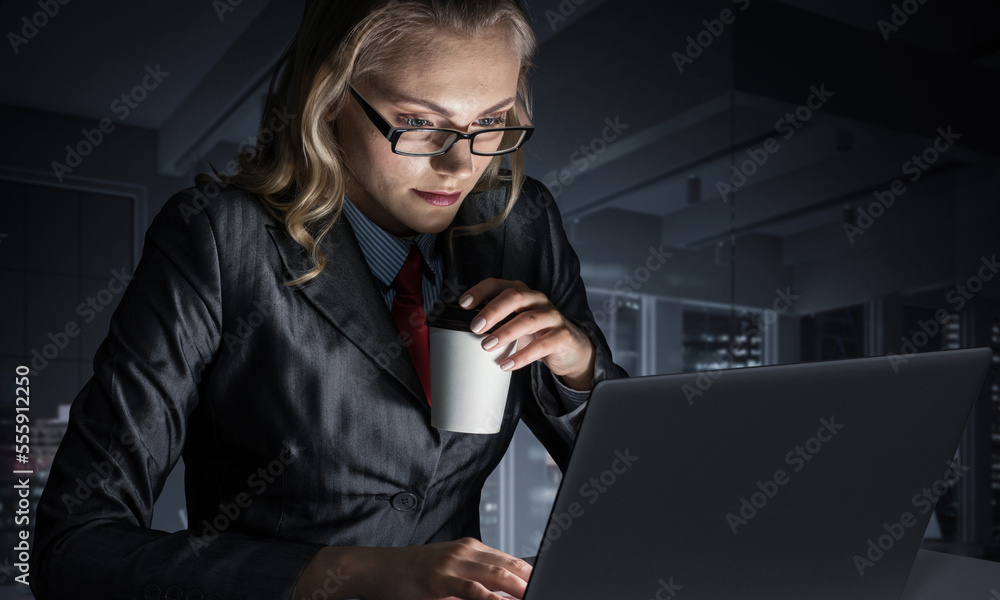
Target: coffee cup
(468, 387)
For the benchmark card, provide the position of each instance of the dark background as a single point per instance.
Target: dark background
(693, 98)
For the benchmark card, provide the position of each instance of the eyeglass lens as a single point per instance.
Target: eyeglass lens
(430, 142)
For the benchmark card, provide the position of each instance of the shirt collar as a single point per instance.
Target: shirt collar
(384, 252)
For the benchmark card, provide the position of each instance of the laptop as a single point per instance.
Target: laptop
(811, 480)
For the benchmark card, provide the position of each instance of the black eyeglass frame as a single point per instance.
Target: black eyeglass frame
(393, 133)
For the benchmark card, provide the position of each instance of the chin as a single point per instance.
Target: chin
(434, 227)
(435, 220)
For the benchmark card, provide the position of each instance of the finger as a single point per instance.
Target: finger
(541, 348)
(486, 290)
(460, 588)
(496, 577)
(477, 550)
(524, 324)
(508, 301)
(513, 564)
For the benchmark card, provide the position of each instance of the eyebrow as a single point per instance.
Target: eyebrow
(444, 111)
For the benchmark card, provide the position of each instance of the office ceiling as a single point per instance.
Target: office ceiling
(88, 54)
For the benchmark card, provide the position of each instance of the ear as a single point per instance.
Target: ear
(329, 115)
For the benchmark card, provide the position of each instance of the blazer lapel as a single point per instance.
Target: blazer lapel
(348, 296)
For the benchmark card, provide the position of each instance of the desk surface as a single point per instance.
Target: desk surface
(937, 576)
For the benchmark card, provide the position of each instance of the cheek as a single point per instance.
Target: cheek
(387, 173)
(395, 171)
(482, 162)
(371, 157)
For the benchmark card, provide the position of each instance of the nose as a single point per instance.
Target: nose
(457, 162)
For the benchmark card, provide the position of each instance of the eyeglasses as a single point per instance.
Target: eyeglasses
(424, 141)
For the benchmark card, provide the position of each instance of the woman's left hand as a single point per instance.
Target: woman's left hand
(553, 339)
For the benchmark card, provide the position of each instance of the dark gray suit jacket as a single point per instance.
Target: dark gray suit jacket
(298, 413)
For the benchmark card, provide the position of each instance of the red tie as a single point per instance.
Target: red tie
(408, 313)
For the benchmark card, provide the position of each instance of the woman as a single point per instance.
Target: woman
(253, 341)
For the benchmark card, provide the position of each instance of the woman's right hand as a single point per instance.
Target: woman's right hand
(465, 569)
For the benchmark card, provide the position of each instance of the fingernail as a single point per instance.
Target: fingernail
(507, 365)
(465, 301)
(478, 324)
(489, 342)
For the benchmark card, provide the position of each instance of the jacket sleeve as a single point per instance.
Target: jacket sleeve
(560, 268)
(126, 431)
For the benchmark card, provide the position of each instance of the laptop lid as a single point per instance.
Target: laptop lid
(812, 480)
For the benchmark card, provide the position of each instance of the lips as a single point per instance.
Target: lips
(439, 197)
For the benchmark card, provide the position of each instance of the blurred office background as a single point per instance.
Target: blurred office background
(787, 181)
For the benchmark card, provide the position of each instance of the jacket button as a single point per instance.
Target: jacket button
(174, 593)
(151, 592)
(405, 501)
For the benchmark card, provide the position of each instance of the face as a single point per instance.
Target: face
(455, 83)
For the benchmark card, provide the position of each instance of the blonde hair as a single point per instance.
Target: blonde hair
(299, 172)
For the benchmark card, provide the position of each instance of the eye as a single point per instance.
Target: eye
(492, 121)
(410, 122)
